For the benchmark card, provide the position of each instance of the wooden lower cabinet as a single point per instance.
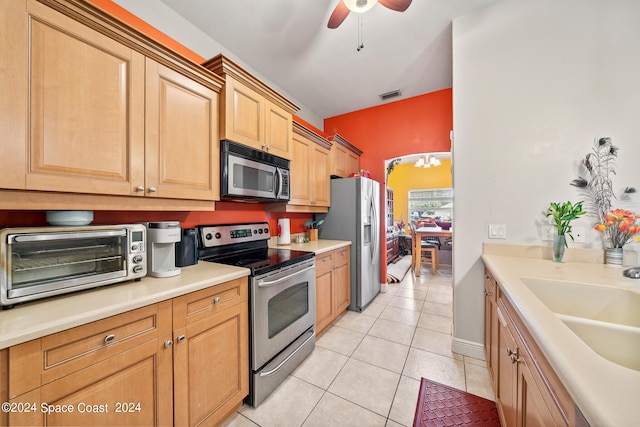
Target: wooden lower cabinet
(528, 392)
(178, 362)
(491, 327)
(211, 353)
(333, 286)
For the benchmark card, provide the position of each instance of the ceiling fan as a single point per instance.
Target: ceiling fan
(345, 6)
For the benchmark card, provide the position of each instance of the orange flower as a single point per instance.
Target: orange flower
(619, 227)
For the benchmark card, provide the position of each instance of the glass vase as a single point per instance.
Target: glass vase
(613, 256)
(558, 247)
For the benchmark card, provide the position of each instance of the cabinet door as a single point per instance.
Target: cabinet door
(86, 108)
(532, 410)
(353, 162)
(339, 160)
(325, 311)
(491, 327)
(182, 146)
(506, 393)
(300, 171)
(342, 278)
(132, 388)
(211, 367)
(278, 130)
(321, 182)
(244, 115)
(211, 354)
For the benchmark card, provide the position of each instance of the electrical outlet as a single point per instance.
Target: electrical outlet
(578, 234)
(548, 231)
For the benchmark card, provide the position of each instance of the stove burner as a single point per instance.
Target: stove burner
(249, 250)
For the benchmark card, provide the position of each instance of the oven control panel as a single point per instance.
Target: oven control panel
(219, 235)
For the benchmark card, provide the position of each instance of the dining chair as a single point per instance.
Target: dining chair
(428, 252)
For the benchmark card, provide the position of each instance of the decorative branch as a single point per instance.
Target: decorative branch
(598, 186)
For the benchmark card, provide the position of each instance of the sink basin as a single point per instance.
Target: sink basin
(606, 319)
(617, 343)
(606, 304)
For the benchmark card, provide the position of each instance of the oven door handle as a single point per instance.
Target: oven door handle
(25, 238)
(267, 373)
(264, 284)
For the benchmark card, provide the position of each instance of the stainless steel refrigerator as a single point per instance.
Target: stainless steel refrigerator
(355, 215)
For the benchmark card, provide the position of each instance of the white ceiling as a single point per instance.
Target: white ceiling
(289, 43)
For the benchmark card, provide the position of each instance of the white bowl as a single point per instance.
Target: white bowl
(69, 217)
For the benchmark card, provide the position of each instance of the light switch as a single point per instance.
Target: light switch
(497, 231)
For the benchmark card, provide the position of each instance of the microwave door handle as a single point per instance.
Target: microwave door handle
(64, 236)
(278, 179)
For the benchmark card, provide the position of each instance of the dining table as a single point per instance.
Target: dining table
(428, 232)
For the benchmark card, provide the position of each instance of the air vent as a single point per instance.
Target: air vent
(388, 95)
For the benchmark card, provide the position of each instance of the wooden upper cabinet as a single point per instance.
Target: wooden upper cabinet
(85, 94)
(345, 157)
(310, 181)
(252, 113)
(182, 146)
(96, 108)
(243, 119)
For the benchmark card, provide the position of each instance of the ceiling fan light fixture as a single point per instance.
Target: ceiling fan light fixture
(359, 6)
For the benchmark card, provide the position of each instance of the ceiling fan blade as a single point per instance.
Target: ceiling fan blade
(339, 14)
(397, 5)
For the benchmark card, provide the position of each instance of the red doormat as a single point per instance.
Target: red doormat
(441, 405)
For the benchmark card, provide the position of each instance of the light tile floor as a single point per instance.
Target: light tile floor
(366, 368)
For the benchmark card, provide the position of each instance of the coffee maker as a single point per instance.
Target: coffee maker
(161, 253)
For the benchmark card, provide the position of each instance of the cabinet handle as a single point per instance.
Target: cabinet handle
(487, 293)
(168, 343)
(181, 338)
(109, 338)
(216, 300)
(513, 355)
(140, 188)
(152, 189)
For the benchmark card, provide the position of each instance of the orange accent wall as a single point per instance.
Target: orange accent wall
(124, 15)
(415, 125)
(420, 124)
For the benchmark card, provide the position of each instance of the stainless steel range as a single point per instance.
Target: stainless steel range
(282, 299)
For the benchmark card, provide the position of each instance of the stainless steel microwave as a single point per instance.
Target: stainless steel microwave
(249, 175)
(40, 262)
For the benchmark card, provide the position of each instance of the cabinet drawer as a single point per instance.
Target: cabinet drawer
(342, 256)
(54, 356)
(204, 303)
(324, 263)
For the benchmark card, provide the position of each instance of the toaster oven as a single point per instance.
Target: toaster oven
(46, 261)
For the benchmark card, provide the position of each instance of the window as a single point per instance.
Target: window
(432, 203)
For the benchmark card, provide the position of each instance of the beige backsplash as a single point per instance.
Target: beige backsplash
(589, 255)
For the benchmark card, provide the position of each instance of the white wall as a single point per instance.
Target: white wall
(165, 19)
(534, 82)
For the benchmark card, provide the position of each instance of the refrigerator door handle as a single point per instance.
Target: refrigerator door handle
(374, 232)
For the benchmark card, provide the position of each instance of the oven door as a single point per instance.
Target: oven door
(283, 308)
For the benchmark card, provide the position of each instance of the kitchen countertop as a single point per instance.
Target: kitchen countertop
(606, 393)
(316, 246)
(36, 319)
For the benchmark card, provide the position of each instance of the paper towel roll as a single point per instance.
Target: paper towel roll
(284, 231)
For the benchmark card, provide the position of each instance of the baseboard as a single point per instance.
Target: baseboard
(468, 348)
